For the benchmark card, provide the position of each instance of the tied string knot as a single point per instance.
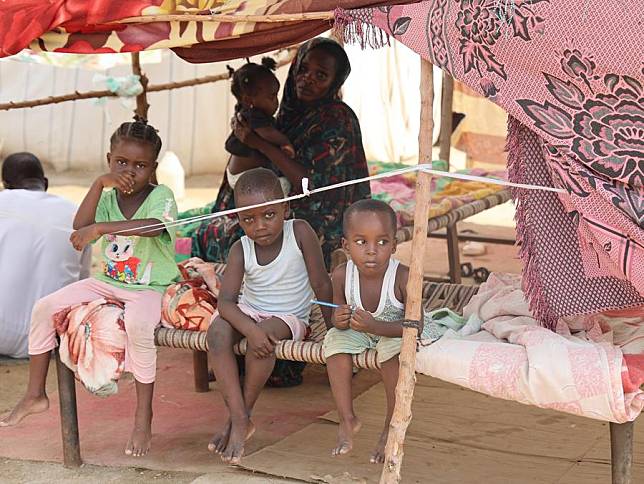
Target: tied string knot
(412, 323)
(305, 187)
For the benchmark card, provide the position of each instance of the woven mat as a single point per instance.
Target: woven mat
(456, 436)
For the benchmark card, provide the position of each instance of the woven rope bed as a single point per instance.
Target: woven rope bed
(405, 233)
(435, 295)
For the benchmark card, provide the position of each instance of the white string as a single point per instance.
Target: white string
(306, 192)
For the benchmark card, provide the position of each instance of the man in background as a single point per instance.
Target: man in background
(36, 257)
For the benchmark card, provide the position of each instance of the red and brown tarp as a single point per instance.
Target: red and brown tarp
(89, 27)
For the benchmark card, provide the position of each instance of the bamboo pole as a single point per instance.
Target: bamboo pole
(142, 105)
(407, 374)
(151, 88)
(446, 118)
(224, 18)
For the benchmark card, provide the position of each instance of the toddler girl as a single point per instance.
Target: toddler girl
(255, 87)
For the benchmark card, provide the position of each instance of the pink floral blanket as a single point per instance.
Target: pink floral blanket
(570, 73)
(502, 351)
(92, 343)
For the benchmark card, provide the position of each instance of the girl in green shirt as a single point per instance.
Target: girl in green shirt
(129, 215)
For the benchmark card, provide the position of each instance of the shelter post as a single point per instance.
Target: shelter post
(447, 96)
(413, 310)
(445, 143)
(142, 105)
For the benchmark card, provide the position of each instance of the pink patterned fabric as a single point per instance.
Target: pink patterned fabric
(92, 343)
(503, 352)
(572, 75)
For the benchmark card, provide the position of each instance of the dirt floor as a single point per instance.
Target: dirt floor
(457, 436)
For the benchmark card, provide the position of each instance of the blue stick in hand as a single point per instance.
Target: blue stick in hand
(323, 303)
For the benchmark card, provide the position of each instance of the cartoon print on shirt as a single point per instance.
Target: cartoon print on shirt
(121, 264)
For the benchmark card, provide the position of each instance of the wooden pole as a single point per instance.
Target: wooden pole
(142, 105)
(407, 375)
(446, 118)
(445, 143)
(75, 96)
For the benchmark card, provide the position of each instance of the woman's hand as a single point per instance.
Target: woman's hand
(342, 317)
(82, 237)
(205, 269)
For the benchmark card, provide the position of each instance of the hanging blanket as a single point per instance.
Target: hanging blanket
(571, 72)
(503, 352)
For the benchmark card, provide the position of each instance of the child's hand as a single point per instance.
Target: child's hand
(261, 343)
(289, 150)
(123, 182)
(342, 317)
(81, 237)
(362, 321)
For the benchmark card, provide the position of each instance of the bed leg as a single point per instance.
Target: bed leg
(621, 451)
(200, 368)
(453, 255)
(68, 414)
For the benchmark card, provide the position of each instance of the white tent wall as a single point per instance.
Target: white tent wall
(383, 90)
(195, 121)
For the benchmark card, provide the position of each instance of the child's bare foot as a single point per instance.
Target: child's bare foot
(26, 406)
(139, 443)
(347, 430)
(240, 431)
(378, 454)
(219, 441)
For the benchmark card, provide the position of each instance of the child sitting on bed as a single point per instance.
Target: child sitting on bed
(370, 290)
(281, 267)
(255, 87)
(129, 216)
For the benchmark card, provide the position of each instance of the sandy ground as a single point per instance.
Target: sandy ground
(30, 472)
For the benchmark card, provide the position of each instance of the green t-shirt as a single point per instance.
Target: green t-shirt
(134, 262)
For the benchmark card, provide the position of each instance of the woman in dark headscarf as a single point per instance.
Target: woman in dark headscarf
(328, 144)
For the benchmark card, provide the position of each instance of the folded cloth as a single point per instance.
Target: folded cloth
(502, 351)
(92, 343)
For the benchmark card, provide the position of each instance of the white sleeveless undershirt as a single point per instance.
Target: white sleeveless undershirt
(282, 286)
(389, 307)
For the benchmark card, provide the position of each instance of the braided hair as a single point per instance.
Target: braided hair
(246, 79)
(138, 130)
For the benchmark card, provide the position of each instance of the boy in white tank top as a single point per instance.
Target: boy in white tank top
(281, 266)
(371, 293)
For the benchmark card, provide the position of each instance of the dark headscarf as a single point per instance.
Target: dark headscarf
(291, 106)
(328, 144)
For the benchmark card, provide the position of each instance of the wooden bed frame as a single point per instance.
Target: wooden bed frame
(435, 295)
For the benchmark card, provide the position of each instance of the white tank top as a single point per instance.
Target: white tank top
(281, 286)
(389, 307)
